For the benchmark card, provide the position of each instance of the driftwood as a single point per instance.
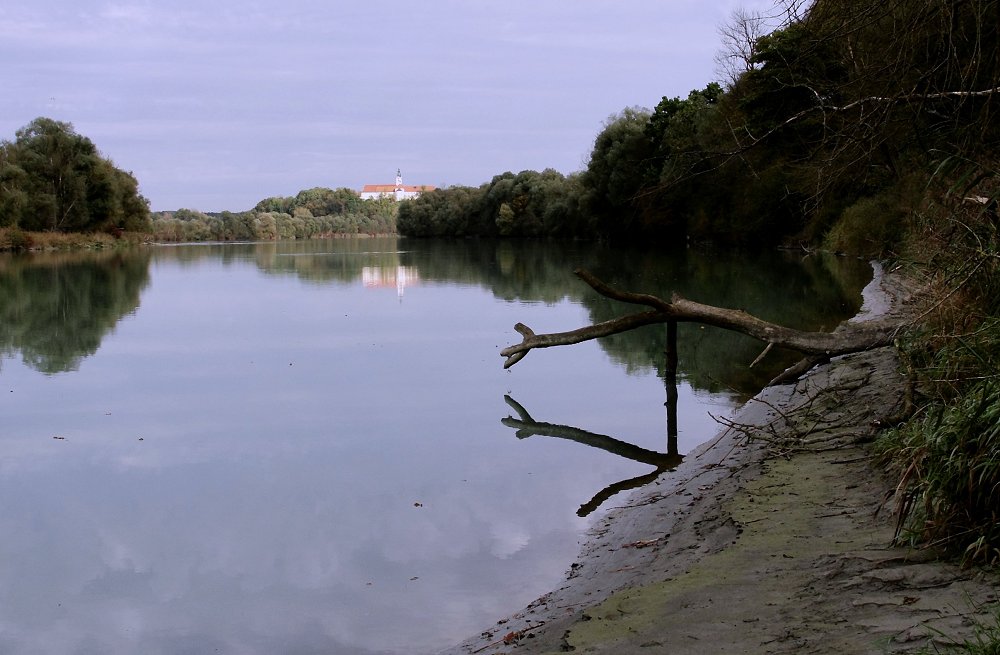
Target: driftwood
(815, 346)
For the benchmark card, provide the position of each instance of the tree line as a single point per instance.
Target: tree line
(829, 128)
(53, 179)
(312, 213)
(528, 204)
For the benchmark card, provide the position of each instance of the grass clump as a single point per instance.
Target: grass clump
(985, 640)
(948, 463)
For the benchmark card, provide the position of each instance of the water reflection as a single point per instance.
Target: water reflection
(526, 426)
(809, 292)
(813, 292)
(400, 277)
(55, 309)
(269, 456)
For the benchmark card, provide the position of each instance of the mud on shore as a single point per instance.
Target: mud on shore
(774, 537)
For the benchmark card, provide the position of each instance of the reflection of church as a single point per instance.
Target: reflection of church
(398, 191)
(375, 277)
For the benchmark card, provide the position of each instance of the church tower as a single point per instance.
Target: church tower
(399, 191)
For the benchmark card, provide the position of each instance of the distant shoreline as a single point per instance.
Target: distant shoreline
(22, 241)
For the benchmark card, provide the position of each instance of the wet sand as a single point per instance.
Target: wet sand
(774, 537)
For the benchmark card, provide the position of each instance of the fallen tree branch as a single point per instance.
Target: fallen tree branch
(816, 346)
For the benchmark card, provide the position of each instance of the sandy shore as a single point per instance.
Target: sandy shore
(771, 538)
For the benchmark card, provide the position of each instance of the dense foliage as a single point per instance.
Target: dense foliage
(878, 122)
(529, 204)
(312, 213)
(832, 127)
(946, 455)
(53, 179)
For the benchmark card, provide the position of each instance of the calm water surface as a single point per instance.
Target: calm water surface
(298, 447)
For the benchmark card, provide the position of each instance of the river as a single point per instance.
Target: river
(298, 447)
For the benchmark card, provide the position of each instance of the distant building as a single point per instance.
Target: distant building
(399, 191)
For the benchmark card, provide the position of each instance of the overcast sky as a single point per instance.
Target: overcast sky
(217, 104)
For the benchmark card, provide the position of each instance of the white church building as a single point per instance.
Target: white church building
(398, 191)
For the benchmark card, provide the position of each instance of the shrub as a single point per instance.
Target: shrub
(16, 239)
(869, 227)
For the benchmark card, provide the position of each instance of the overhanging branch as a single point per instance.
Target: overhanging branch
(814, 345)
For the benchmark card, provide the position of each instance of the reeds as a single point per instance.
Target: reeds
(948, 464)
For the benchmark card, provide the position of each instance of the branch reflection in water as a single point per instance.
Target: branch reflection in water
(527, 426)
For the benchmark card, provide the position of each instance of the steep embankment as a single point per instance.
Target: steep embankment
(774, 538)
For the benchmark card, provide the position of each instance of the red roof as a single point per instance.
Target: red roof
(391, 188)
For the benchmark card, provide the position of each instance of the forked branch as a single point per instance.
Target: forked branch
(814, 345)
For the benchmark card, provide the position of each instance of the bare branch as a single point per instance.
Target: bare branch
(816, 346)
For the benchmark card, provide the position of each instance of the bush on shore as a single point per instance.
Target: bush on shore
(17, 240)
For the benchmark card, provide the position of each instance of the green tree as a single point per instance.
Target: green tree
(615, 172)
(13, 197)
(53, 179)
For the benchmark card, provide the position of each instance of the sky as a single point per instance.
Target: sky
(217, 104)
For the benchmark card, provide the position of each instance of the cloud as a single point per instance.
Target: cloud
(465, 89)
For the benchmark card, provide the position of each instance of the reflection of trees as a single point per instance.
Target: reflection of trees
(311, 260)
(56, 308)
(527, 271)
(335, 260)
(526, 427)
(809, 293)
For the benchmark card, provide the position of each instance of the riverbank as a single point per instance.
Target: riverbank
(15, 240)
(773, 538)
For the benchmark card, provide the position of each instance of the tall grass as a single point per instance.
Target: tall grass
(947, 456)
(948, 462)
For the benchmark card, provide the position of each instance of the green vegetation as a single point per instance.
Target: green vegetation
(951, 454)
(58, 192)
(529, 204)
(985, 640)
(947, 456)
(833, 126)
(312, 213)
(17, 240)
(54, 180)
